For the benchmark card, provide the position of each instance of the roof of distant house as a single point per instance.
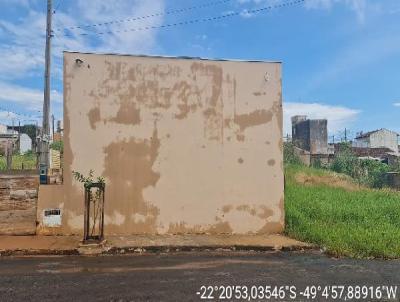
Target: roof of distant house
(367, 134)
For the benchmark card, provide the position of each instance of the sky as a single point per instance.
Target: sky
(341, 58)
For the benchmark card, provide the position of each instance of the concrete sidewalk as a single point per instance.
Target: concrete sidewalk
(70, 245)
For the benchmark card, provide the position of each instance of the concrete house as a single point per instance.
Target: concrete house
(185, 145)
(25, 143)
(382, 138)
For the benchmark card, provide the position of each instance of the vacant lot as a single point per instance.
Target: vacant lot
(26, 161)
(330, 210)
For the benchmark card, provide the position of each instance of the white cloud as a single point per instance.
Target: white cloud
(23, 54)
(396, 104)
(30, 99)
(359, 7)
(23, 40)
(338, 117)
(26, 36)
(121, 39)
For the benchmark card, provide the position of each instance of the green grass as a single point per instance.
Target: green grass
(363, 223)
(29, 161)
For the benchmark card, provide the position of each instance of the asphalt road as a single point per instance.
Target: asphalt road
(178, 277)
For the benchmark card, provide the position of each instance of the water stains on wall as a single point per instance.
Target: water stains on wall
(181, 143)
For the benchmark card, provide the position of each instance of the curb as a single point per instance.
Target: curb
(41, 252)
(156, 249)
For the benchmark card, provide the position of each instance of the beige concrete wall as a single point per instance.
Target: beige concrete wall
(185, 145)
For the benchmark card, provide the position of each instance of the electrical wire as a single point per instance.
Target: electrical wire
(17, 115)
(194, 21)
(58, 6)
(170, 12)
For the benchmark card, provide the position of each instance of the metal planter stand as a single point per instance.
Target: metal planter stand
(94, 213)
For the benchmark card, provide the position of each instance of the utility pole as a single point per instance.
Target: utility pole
(345, 135)
(19, 136)
(45, 135)
(52, 122)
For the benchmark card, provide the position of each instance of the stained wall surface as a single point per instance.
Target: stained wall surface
(185, 145)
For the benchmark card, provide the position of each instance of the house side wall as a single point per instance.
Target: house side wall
(363, 142)
(384, 138)
(185, 146)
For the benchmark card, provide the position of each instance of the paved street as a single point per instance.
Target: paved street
(177, 277)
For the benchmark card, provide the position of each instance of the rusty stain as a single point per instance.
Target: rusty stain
(227, 208)
(213, 128)
(138, 157)
(183, 90)
(94, 117)
(265, 212)
(271, 228)
(183, 228)
(271, 162)
(254, 118)
(220, 228)
(240, 137)
(159, 90)
(247, 208)
(240, 160)
(127, 114)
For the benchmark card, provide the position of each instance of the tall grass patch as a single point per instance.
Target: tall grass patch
(358, 223)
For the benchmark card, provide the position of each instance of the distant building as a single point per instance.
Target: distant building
(3, 129)
(25, 143)
(310, 135)
(8, 141)
(382, 138)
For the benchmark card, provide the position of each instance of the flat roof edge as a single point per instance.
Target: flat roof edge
(171, 57)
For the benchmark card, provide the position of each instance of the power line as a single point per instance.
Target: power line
(18, 116)
(3, 109)
(189, 22)
(170, 12)
(60, 2)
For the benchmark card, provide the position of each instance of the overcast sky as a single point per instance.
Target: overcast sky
(341, 58)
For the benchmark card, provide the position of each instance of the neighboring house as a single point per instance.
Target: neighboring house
(22, 145)
(384, 155)
(3, 129)
(8, 139)
(382, 138)
(25, 143)
(310, 135)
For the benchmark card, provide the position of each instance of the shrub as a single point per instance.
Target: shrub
(289, 155)
(59, 146)
(367, 172)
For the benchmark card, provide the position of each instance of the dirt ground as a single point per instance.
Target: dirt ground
(333, 180)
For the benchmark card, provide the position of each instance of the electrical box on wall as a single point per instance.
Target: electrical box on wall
(52, 218)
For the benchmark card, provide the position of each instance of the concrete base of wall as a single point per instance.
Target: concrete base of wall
(45, 245)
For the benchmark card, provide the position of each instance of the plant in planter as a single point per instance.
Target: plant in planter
(94, 205)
